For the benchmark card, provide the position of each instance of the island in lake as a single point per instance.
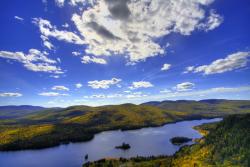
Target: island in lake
(124, 146)
(180, 140)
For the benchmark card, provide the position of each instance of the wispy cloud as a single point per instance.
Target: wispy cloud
(63, 88)
(52, 94)
(10, 94)
(231, 62)
(141, 84)
(19, 18)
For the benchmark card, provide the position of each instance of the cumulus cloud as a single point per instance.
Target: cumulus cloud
(60, 88)
(10, 94)
(52, 94)
(165, 67)
(47, 31)
(88, 59)
(103, 84)
(185, 86)
(114, 27)
(78, 85)
(34, 60)
(18, 18)
(231, 62)
(141, 84)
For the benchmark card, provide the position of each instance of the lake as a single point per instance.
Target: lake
(143, 142)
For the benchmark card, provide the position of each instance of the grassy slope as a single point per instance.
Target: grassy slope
(79, 123)
(226, 145)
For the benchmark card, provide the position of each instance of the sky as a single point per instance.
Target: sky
(100, 52)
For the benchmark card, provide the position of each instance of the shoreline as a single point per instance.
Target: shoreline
(91, 137)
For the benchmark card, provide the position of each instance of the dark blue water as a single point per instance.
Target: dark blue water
(144, 142)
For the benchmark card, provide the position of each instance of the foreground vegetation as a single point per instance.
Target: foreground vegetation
(51, 127)
(226, 145)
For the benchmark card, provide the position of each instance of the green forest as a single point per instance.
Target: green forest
(226, 144)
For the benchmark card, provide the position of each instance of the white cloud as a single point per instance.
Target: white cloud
(78, 85)
(185, 86)
(10, 94)
(127, 91)
(88, 59)
(55, 76)
(165, 67)
(165, 91)
(47, 44)
(52, 94)
(19, 18)
(189, 69)
(66, 25)
(103, 84)
(76, 53)
(61, 3)
(130, 27)
(141, 84)
(214, 20)
(60, 88)
(47, 31)
(231, 62)
(203, 92)
(131, 96)
(34, 60)
(102, 96)
(98, 96)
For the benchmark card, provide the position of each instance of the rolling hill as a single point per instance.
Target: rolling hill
(53, 126)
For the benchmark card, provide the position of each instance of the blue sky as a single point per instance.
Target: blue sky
(98, 52)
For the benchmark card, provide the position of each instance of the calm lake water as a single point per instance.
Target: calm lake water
(143, 142)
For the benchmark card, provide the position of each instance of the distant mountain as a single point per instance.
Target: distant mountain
(12, 111)
(213, 101)
(205, 107)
